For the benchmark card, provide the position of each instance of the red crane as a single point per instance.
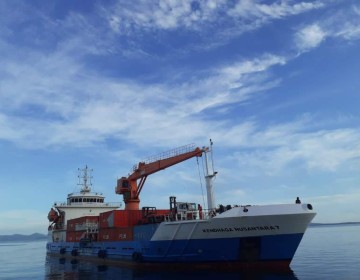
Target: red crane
(129, 187)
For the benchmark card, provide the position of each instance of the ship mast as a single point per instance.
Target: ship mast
(85, 179)
(210, 174)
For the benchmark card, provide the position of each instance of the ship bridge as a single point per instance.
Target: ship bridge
(80, 204)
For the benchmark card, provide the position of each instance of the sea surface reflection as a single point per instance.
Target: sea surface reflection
(62, 268)
(326, 252)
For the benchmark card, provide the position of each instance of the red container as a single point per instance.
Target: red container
(104, 219)
(134, 217)
(116, 234)
(113, 218)
(120, 218)
(162, 212)
(123, 234)
(77, 224)
(106, 234)
(74, 236)
(125, 218)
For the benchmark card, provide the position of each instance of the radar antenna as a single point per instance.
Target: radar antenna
(85, 179)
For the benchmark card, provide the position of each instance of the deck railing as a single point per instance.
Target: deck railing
(92, 204)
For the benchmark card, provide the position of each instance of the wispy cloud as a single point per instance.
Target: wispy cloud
(82, 107)
(343, 24)
(199, 17)
(310, 37)
(125, 16)
(131, 77)
(276, 148)
(248, 9)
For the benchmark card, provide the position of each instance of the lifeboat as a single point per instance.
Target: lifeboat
(53, 215)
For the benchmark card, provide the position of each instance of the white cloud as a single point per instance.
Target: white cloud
(342, 24)
(345, 24)
(236, 71)
(310, 37)
(126, 18)
(160, 14)
(275, 148)
(278, 9)
(54, 100)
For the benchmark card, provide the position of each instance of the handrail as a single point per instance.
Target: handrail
(92, 204)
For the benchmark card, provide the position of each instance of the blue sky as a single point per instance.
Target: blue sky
(275, 85)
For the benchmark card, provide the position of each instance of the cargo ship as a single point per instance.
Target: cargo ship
(187, 234)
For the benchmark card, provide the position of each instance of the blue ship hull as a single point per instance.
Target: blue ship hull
(235, 238)
(278, 248)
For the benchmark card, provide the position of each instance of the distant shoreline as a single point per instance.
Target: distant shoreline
(23, 237)
(334, 224)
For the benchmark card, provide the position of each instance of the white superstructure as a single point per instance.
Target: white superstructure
(79, 204)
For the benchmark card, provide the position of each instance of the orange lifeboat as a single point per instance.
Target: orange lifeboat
(53, 216)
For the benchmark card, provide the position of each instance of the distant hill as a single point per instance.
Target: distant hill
(22, 238)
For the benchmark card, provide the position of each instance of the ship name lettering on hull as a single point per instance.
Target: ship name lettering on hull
(245, 228)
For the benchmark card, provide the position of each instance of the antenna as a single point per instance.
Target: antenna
(212, 157)
(85, 179)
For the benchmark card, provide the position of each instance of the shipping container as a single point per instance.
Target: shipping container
(124, 218)
(162, 212)
(134, 217)
(116, 234)
(120, 218)
(79, 224)
(75, 236)
(115, 218)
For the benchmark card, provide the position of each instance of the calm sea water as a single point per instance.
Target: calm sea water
(326, 252)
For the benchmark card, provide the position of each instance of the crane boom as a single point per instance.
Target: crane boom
(129, 186)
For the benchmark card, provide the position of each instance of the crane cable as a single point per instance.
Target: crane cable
(202, 189)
